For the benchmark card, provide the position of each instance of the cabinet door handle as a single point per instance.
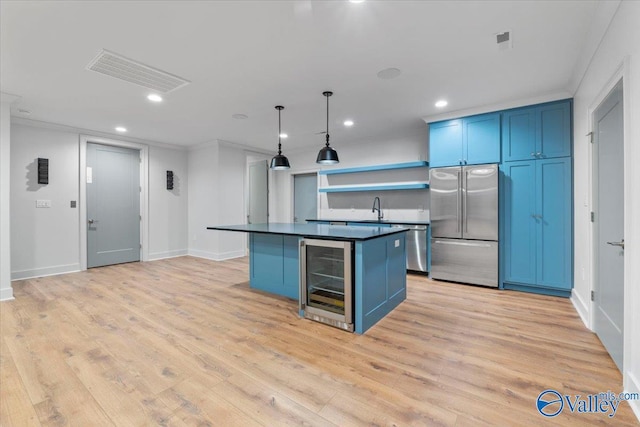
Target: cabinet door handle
(533, 154)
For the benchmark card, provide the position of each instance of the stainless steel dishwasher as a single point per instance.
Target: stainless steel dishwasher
(416, 246)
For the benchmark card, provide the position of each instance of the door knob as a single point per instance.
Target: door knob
(91, 221)
(620, 244)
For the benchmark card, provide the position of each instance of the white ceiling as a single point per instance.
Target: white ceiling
(248, 56)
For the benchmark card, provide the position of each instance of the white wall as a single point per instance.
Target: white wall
(6, 291)
(231, 179)
(217, 173)
(621, 40)
(203, 200)
(47, 241)
(396, 205)
(168, 217)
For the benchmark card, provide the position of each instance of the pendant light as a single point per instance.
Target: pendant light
(279, 162)
(327, 155)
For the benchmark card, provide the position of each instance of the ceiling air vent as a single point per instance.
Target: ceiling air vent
(504, 40)
(120, 67)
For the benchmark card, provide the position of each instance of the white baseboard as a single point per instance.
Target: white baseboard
(581, 308)
(168, 254)
(46, 271)
(633, 386)
(216, 256)
(6, 294)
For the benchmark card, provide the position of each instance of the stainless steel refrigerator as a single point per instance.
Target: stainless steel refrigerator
(464, 224)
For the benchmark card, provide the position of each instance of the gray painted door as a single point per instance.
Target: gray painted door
(113, 205)
(609, 223)
(258, 211)
(305, 197)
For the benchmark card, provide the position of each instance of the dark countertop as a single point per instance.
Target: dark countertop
(319, 231)
(373, 221)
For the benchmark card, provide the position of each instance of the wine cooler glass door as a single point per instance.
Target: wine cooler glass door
(327, 279)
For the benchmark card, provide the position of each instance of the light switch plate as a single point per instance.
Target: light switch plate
(397, 243)
(43, 203)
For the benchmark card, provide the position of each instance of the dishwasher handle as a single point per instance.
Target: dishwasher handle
(410, 227)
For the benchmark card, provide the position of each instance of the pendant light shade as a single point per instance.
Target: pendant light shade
(327, 155)
(279, 162)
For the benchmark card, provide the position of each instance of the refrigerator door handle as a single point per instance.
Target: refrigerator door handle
(458, 202)
(464, 204)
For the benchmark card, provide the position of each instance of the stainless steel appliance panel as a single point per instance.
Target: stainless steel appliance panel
(465, 261)
(416, 247)
(480, 202)
(446, 202)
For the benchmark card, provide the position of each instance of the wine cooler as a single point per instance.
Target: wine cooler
(326, 282)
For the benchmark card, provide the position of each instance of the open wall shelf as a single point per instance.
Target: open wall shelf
(407, 165)
(356, 184)
(352, 188)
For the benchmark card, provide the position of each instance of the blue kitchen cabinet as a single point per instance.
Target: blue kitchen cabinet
(555, 209)
(537, 226)
(519, 237)
(445, 143)
(274, 264)
(468, 141)
(539, 132)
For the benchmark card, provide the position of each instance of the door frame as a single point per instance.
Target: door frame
(144, 199)
(622, 72)
(292, 189)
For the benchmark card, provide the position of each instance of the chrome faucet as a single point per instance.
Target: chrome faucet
(380, 215)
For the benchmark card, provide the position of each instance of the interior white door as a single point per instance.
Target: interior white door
(258, 209)
(113, 205)
(609, 223)
(305, 197)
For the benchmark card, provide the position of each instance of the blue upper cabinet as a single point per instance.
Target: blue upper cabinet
(468, 141)
(519, 134)
(445, 143)
(555, 130)
(541, 132)
(481, 139)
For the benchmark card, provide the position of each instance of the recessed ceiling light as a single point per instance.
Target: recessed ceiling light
(121, 129)
(240, 116)
(154, 97)
(348, 123)
(284, 135)
(389, 73)
(441, 103)
(356, 1)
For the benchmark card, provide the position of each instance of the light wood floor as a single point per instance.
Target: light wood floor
(186, 342)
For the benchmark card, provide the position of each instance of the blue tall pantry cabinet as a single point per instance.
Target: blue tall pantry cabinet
(537, 200)
(533, 147)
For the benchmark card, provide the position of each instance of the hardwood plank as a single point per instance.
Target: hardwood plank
(16, 408)
(185, 341)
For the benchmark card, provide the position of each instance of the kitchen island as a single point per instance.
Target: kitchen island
(375, 277)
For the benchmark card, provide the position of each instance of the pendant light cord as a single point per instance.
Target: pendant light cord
(327, 94)
(279, 133)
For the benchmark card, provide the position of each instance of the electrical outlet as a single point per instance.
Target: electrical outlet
(43, 203)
